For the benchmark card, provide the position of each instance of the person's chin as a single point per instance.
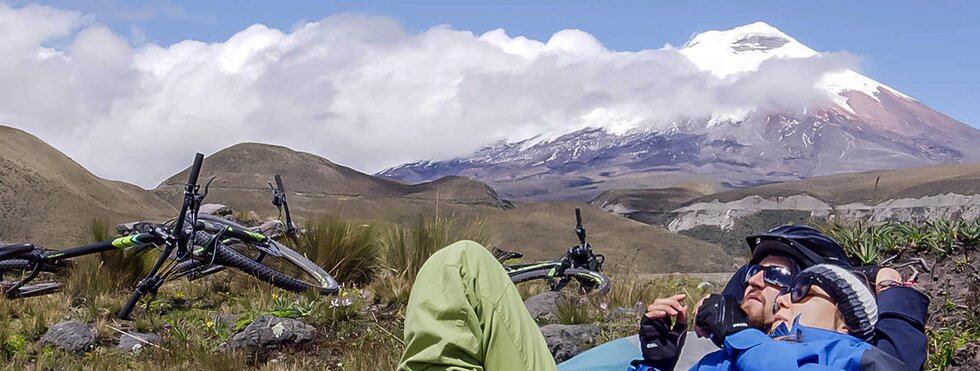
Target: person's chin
(752, 304)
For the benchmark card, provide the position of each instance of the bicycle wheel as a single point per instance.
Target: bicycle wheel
(285, 269)
(590, 281)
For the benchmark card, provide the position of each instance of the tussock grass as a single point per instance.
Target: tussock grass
(405, 249)
(107, 272)
(347, 250)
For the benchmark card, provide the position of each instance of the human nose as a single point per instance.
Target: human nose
(757, 280)
(782, 301)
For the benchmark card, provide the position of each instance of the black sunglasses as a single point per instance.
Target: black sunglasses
(800, 289)
(774, 275)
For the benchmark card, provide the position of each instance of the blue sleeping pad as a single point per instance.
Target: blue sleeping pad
(617, 354)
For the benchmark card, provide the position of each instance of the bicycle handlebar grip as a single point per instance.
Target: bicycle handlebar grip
(279, 183)
(195, 169)
(578, 217)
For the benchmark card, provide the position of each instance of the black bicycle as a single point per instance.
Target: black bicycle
(580, 263)
(191, 245)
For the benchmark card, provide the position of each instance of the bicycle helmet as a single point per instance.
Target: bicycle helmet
(805, 244)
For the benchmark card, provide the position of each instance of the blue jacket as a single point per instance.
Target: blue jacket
(901, 317)
(807, 348)
(799, 348)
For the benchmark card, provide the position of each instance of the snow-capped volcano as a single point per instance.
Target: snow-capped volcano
(854, 124)
(743, 49)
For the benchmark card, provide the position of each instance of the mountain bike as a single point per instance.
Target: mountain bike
(579, 263)
(190, 245)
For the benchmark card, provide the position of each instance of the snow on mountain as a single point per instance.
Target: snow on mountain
(865, 125)
(725, 54)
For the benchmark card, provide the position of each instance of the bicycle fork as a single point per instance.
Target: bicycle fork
(147, 285)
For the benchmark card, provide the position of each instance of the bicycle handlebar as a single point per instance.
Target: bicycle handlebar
(579, 229)
(189, 191)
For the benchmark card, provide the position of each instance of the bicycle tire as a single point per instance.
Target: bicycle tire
(601, 282)
(228, 257)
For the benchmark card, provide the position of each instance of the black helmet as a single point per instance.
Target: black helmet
(804, 244)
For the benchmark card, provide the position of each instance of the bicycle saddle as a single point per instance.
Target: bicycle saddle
(503, 255)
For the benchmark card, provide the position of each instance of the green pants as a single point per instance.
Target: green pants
(465, 314)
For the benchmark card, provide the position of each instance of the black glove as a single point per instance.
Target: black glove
(660, 342)
(720, 316)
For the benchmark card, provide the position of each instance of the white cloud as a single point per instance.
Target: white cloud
(358, 90)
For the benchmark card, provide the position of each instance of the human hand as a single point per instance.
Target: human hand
(673, 306)
(661, 341)
(886, 274)
(720, 316)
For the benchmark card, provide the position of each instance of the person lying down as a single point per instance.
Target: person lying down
(824, 320)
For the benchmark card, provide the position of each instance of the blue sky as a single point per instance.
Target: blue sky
(924, 49)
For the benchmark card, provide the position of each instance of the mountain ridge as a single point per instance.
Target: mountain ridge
(864, 126)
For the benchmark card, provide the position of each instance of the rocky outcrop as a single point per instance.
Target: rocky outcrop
(566, 341)
(724, 215)
(270, 331)
(136, 342)
(71, 336)
(544, 306)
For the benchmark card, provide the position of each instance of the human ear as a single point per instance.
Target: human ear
(839, 325)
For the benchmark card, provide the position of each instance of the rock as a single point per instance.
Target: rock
(567, 341)
(72, 336)
(215, 209)
(135, 342)
(229, 319)
(624, 312)
(543, 306)
(271, 331)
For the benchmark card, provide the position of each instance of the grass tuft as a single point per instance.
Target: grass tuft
(347, 250)
(107, 272)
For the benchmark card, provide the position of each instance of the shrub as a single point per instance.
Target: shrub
(406, 249)
(347, 250)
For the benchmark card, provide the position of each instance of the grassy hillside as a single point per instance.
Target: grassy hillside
(656, 199)
(46, 197)
(540, 230)
(847, 188)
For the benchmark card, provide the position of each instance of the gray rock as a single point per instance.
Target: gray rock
(271, 331)
(135, 342)
(72, 336)
(215, 209)
(624, 312)
(543, 306)
(566, 341)
(229, 319)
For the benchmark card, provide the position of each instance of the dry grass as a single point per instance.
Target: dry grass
(347, 250)
(108, 272)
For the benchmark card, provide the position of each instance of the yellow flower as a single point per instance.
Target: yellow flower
(210, 324)
(180, 295)
(275, 296)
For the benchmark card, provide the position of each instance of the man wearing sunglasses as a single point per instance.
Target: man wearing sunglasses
(747, 301)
